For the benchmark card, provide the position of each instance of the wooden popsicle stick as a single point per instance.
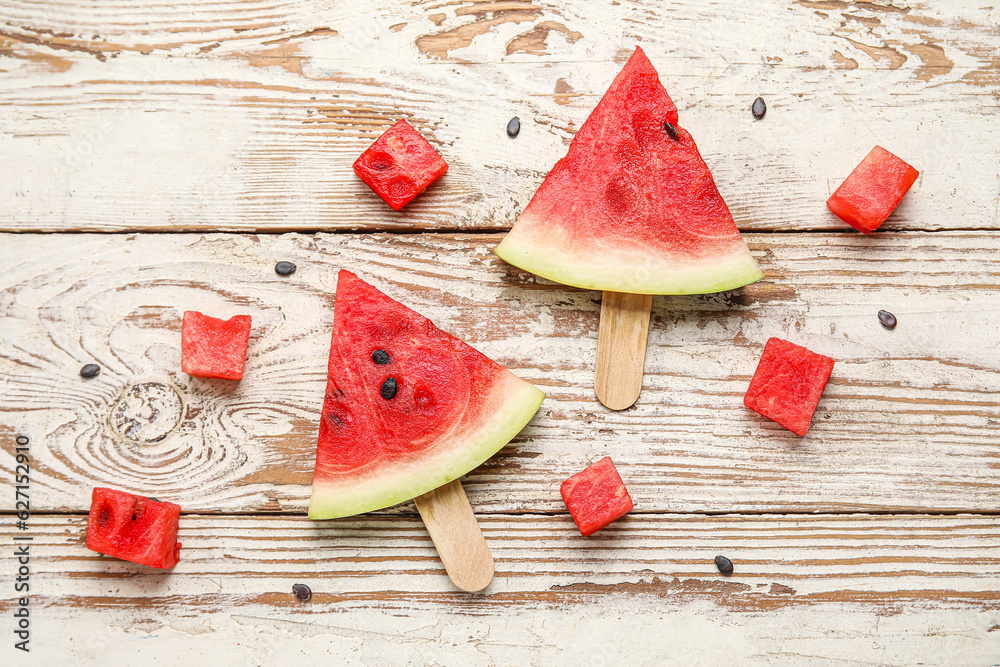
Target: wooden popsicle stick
(621, 348)
(459, 541)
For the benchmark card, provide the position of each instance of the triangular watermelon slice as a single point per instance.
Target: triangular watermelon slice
(408, 407)
(632, 207)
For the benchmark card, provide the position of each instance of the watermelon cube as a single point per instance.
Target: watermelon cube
(133, 528)
(214, 348)
(872, 191)
(596, 496)
(400, 165)
(787, 384)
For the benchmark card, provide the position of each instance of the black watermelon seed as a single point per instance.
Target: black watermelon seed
(389, 389)
(513, 127)
(671, 130)
(155, 500)
(887, 319)
(724, 564)
(90, 371)
(284, 268)
(302, 592)
(758, 108)
(381, 357)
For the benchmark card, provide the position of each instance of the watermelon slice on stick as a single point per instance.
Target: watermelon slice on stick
(409, 409)
(632, 210)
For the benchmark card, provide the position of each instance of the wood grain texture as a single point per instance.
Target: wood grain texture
(645, 591)
(248, 115)
(459, 542)
(907, 423)
(621, 348)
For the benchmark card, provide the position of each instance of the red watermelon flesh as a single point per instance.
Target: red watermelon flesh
(400, 165)
(214, 348)
(632, 207)
(787, 384)
(596, 496)
(873, 190)
(134, 528)
(452, 408)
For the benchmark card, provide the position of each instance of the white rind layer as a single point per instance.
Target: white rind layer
(548, 251)
(509, 407)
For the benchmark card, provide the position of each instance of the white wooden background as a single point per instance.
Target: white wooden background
(208, 141)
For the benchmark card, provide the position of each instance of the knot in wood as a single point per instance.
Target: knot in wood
(146, 412)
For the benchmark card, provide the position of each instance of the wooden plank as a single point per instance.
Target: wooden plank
(867, 589)
(907, 422)
(247, 116)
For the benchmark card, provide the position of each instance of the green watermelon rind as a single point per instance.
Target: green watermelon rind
(613, 269)
(509, 408)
